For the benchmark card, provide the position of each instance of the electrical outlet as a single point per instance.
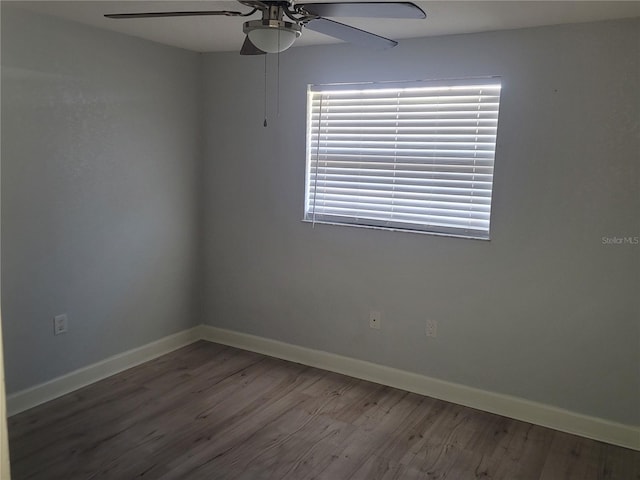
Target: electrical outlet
(375, 318)
(60, 324)
(432, 328)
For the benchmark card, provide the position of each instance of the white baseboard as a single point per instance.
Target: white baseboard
(505, 405)
(38, 394)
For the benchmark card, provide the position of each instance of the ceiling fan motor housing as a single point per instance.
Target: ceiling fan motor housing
(272, 34)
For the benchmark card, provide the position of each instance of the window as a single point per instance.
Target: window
(406, 156)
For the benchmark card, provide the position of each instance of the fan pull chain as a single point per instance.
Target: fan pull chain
(265, 91)
(278, 79)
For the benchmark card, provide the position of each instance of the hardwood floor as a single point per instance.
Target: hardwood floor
(213, 412)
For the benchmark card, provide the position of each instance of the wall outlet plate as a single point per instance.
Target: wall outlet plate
(431, 328)
(375, 319)
(60, 324)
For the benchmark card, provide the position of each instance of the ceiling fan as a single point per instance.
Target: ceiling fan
(282, 21)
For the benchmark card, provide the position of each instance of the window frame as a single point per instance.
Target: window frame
(311, 178)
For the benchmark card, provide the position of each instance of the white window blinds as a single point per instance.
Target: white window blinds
(404, 156)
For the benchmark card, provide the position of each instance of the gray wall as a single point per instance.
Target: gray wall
(100, 159)
(543, 311)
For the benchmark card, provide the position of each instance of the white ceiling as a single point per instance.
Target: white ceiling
(214, 34)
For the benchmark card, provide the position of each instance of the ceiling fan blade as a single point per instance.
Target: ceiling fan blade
(365, 9)
(249, 48)
(227, 13)
(349, 34)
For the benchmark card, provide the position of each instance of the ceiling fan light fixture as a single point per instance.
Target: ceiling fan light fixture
(272, 36)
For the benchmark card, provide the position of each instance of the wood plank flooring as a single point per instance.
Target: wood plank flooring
(208, 411)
